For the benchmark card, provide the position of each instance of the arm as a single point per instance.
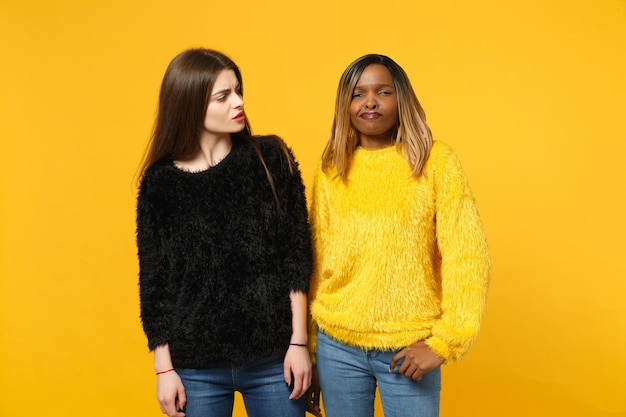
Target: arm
(156, 299)
(156, 294)
(295, 234)
(465, 263)
(295, 247)
(170, 390)
(297, 361)
(319, 219)
(464, 273)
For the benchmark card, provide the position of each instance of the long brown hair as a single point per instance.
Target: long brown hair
(183, 101)
(413, 138)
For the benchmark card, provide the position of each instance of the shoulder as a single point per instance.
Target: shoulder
(268, 145)
(319, 174)
(271, 145)
(156, 178)
(445, 169)
(155, 173)
(441, 156)
(327, 174)
(440, 150)
(275, 152)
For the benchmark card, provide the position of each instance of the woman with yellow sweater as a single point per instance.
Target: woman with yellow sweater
(401, 260)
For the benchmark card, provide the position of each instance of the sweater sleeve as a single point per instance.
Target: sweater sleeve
(155, 292)
(319, 225)
(465, 261)
(295, 235)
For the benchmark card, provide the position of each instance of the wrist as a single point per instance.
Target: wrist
(162, 358)
(299, 339)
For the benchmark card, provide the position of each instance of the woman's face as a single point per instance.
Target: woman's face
(374, 107)
(224, 113)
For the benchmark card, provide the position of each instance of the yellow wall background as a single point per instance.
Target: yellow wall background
(531, 94)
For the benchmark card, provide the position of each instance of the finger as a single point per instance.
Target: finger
(177, 414)
(417, 376)
(302, 383)
(169, 409)
(287, 374)
(395, 359)
(296, 391)
(295, 394)
(408, 369)
(173, 410)
(182, 399)
(170, 406)
(179, 408)
(307, 380)
(404, 367)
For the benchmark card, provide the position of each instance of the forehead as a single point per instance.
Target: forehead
(375, 74)
(225, 79)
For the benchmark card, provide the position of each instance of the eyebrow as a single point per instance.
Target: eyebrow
(224, 90)
(374, 85)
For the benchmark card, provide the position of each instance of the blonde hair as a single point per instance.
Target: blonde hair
(413, 136)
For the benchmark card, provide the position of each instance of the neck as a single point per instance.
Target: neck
(375, 143)
(212, 150)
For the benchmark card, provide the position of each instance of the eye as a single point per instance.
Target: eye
(220, 98)
(357, 95)
(385, 93)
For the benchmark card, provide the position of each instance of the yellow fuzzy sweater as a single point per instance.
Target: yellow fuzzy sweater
(398, 259)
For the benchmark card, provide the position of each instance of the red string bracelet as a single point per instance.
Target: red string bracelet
(164, 372)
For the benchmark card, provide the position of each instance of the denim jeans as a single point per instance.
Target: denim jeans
(210, 392)
(349, 376)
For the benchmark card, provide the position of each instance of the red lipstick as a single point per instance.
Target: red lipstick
(240, 117)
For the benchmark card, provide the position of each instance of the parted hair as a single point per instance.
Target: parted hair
(183, 100)
(413, 136)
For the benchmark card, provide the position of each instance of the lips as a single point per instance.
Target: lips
(370, 115)
(240, 117)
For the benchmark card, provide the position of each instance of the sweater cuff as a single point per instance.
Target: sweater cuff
(440, 347)
(153, 342)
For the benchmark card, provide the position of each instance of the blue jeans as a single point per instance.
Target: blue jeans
(349, 376)
(210, 392)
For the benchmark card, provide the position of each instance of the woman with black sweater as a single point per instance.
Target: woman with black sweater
(224, 251)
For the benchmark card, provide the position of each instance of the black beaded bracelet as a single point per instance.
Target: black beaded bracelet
(299, 344)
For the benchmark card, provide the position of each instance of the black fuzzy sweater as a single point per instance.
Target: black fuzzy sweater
(218, 258)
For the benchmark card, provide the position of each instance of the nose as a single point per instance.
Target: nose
(237, 101)
(370, 102)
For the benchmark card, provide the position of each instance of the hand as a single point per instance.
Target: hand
(313, 395)
(297, 368)
(418, 360)
(171, 394)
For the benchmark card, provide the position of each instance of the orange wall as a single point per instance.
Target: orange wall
(530, 94)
